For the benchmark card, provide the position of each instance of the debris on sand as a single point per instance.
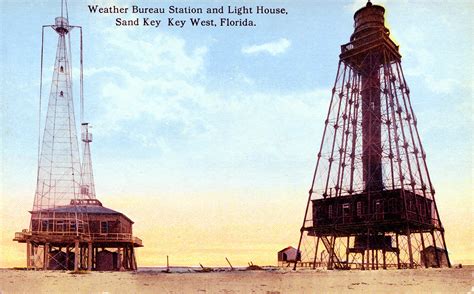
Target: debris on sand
(204, 269)
(253, 267)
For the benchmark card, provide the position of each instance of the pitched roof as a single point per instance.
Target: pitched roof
(287, 248)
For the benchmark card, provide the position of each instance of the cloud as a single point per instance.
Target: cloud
(423, 63)
(162, 51)
(157, 95)
(273, 48)
(358, 4)
(157, 79)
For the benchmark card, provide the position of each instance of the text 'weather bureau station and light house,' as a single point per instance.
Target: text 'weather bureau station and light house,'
(69, 228)
(371, 204)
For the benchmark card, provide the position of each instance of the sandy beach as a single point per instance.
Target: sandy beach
(269, 282)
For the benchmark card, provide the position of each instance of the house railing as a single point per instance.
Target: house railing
(121, 237)
(96, 237)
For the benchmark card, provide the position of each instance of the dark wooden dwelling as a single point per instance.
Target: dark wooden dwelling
(383, 209)
(82, 235)
(375, 221)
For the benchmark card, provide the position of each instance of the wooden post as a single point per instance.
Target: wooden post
(33, 255)
(167, 264)
(231, 267)
(81, 257)
(125, 257)
(347, 252)
(46, 256)
(89, 256)
(76, 255)
(67, 257)
(368, 258)
(410, 252)
(398, 251)
(315, 254)
(373, 256)
(28, 254)
(134, 259)
(376, 258)
(367, 246)
(119, 259)
(438, 262)
(331, 253)
(422, 253)
(384, 259)
(96, 251)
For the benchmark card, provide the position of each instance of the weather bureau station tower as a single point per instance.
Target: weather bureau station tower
(371, 204)
(69, 227)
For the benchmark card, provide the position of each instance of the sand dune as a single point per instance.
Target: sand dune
(268, 282)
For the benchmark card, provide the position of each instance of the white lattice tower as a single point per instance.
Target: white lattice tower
(59, 165)
(87, 181)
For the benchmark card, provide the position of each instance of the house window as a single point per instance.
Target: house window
(411, 205)
(60, 226)
(378, 206)
(346, 209)
(392, 205)
(330, 211)
(45, 225)
(104, 227)
(317, 212)
(359, 208)
(85, 190)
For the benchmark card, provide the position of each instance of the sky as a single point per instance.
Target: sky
(206, 137)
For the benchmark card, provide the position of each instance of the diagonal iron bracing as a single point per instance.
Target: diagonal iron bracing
(371, 201)
(334, 260)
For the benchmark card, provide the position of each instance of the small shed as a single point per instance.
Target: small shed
(288, 255)
(107, 261)
(429, 259)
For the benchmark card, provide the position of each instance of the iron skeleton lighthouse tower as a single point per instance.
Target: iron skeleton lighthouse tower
(69, 227)
(371, 203)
